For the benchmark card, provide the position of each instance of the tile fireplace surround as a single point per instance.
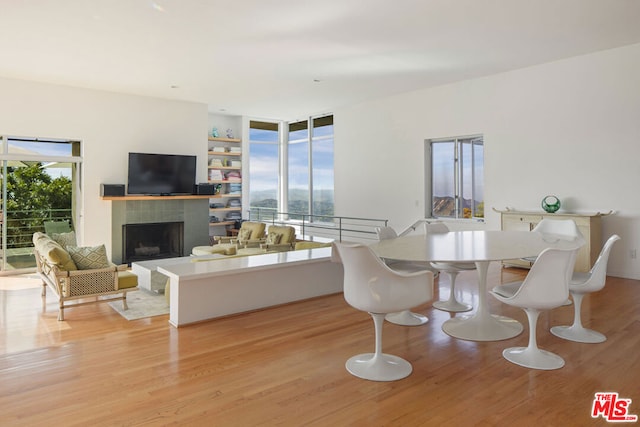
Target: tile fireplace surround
(194, 214)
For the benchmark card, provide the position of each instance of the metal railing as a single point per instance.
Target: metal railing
(16, 234)
(335, 227)
(21, 224)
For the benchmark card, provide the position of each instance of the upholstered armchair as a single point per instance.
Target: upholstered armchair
(279, 238)
(250, 234)
(78, 273)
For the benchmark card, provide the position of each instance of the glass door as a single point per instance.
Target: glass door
(40, 189)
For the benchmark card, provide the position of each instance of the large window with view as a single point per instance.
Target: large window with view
(264, 165)
(291, 168)
(310, 168)
(456, 177)
(40, 184)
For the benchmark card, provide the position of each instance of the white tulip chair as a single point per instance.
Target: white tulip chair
(371, 286)
(452, 269)
(405, 317)
(581, 284)
(545, 287)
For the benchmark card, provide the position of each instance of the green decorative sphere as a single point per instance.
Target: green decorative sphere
(550, 204)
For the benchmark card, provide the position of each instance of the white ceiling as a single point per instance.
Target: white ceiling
(262, 57)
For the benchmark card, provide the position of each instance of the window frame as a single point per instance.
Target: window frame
(281, 150)
(310, 140)
(284, 159)
(477, 205)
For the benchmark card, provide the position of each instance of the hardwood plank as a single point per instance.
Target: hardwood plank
(285, 365)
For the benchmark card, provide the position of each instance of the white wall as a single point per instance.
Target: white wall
(109, 125)
(569, 128)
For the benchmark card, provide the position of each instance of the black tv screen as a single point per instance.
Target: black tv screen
(161, 174)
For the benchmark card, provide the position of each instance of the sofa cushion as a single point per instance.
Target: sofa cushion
(127, 279)
(223, 249)
(244, 234)
(273, 238)
(286, 232)
(37, 236)
(89, 257)
(311, 245)
(65, 239)
(257, 229)
(53, 252)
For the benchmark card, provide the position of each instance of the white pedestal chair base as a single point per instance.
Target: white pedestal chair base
(533, 358)
(452, 306)
(406, 318)
(578, 334)
(384, 367)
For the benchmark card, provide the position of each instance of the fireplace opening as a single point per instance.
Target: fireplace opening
(158, 240)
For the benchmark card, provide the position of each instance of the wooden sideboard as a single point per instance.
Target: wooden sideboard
(590, 225)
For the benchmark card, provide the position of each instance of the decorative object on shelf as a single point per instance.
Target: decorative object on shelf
(551, 204)
(214, 132)
(234, 203)
(215, 175)
(232, 176)
(233, 216)
(230, 133)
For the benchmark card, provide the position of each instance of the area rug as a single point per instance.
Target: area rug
(142, 303)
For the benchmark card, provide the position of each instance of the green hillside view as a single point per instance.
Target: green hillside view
(298, 201)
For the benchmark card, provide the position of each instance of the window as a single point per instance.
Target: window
(294, 177)
(457, 184)
(298, 167)
(39, 181)
(264, 164)
(310, 166)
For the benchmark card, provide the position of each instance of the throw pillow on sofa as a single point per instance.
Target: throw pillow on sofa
(65, 239)
(56, 255)
(53, 252)
(89, 257)
(244, 235)
(273, 238)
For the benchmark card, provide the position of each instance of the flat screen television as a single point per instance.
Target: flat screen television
(161, 174)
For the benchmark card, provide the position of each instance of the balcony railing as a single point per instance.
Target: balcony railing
(17, 231)
(335, 227)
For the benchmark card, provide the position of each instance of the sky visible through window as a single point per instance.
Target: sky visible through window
(264, 159)
(263, 172)
(44, 149)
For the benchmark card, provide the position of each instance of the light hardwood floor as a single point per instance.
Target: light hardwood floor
(285, 366)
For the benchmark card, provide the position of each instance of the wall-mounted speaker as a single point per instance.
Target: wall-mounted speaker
(112, 190)
(204, 189)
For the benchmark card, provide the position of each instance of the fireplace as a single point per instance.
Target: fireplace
(149, 241)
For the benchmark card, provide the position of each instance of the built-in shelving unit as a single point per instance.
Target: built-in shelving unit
(224, 170)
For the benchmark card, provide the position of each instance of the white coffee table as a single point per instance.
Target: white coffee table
(147, 271)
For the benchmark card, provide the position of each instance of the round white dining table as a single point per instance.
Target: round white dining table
(480, 247)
